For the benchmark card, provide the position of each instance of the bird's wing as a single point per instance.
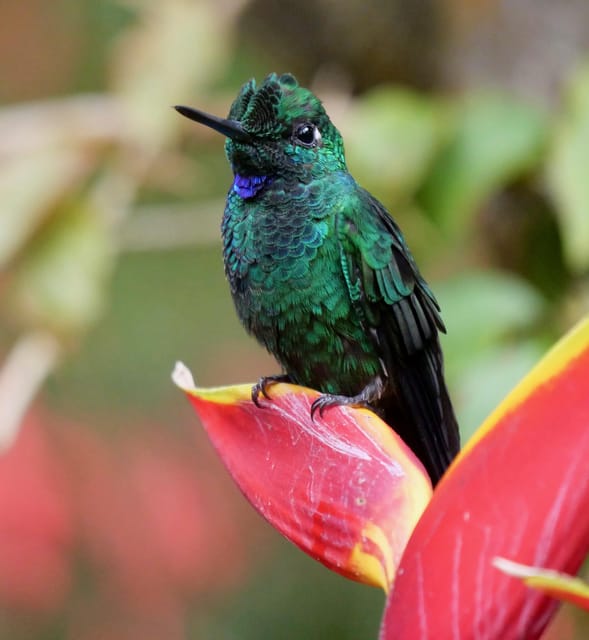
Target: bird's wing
(403, 317)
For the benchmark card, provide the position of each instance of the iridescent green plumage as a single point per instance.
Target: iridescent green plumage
(320, 273)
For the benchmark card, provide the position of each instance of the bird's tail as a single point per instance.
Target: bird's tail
(421, 412)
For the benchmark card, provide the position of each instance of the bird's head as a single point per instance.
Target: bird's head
(278, 129)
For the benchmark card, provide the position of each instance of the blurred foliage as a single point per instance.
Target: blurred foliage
(491, 141)
(566, 166)
(111, 270)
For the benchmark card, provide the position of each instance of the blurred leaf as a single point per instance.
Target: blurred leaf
(488, 377)
(175, 46)
(485, 312)
(480, 308)
(391, 137)
(29, 185)
(60, 282)
(342, 487)
(495, 140)
(519, 231)
(86, 123)
(519, 489)
(556, 584)
(567, 172)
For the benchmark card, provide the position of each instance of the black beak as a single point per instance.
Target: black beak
(230, 128)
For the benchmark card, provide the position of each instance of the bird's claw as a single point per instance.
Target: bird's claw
(325, 401)
(261, 387)
(371, 392)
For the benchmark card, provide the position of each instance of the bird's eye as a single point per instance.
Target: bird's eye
(307, 134)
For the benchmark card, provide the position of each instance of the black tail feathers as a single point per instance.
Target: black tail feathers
(421, 412)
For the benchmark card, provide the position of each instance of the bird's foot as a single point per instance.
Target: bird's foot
(371, 392)
(261, 386)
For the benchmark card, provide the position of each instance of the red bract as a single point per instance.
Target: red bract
(519, 490)
(343, 487)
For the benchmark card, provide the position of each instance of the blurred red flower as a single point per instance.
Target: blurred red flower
(131, 528)
(36, 522)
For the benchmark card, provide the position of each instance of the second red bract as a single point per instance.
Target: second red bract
(519, 490)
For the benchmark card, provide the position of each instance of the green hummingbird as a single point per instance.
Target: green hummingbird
(320, 272)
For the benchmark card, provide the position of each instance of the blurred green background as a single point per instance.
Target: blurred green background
(469, 120)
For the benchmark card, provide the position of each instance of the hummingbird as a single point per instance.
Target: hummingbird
(321, 275)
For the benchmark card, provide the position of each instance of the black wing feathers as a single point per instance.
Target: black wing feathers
(406, 321)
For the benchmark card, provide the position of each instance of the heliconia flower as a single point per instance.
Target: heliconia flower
(345, 489)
